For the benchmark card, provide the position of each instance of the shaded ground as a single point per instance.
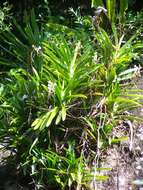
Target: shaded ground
(10, 178)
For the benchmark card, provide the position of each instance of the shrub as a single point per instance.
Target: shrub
(60, 99)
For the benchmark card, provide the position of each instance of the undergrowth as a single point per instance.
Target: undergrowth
(62, 91)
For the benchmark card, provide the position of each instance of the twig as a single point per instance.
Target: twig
(131, 135)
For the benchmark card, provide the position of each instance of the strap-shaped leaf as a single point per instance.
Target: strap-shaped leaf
(45, 120)
(123, 8)
(63, 113)
(111, 6)
(96, 3)
(59, 117)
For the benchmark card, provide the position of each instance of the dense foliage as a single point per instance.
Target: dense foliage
(64, 87)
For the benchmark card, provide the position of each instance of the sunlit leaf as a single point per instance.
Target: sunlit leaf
(63, 112)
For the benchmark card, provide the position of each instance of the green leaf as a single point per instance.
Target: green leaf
(52, 115)
(117, 140)
(73, 61)
(127, 74)
(96, 3)
(101, 177)
(63, 112)
(33, 144)
(123, 8)
(59, 117)
(111, 7)
(45, 120)
(77, 96)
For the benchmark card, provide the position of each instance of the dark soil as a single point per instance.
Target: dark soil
(10, 177)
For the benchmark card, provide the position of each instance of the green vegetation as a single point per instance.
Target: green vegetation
(63, 90)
